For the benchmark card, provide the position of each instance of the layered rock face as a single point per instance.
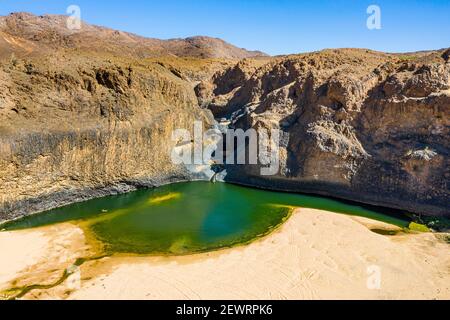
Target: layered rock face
(75, 127)
(355, 124)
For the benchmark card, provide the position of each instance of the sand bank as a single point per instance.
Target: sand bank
(314, 255)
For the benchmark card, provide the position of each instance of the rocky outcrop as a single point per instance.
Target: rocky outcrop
(357, 124)
(76, 127)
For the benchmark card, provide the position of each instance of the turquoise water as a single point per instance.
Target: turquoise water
(188, 217)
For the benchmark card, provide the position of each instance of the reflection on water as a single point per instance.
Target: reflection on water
(188, 217)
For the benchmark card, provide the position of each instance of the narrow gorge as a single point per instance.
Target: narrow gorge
(189, 168)
(85, 121)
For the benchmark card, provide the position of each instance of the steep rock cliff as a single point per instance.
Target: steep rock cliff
(77, 126)
(356, 124)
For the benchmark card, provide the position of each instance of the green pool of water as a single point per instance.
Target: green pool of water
(188, 217)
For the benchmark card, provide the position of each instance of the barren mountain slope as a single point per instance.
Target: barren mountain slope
(24, 34)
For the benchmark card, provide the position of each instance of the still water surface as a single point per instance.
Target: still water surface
(188, 217)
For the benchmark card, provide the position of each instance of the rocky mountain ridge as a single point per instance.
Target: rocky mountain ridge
(24, 34)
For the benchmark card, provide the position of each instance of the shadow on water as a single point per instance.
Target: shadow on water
(185, 218)
(190, 217)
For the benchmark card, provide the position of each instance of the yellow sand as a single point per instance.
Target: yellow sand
(167, 197)
(315, 255)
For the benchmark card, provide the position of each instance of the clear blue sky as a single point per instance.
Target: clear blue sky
(273, 26)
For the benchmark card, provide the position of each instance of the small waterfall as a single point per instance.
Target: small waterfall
(209, 169)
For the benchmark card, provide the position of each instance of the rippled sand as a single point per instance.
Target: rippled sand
(315, 255)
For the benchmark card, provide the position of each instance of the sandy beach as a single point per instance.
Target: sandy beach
(314, 255)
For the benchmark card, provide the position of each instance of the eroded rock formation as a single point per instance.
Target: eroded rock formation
(357, 124)
(76, 127)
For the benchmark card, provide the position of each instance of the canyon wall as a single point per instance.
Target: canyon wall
(356, 124)
(76, 127)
